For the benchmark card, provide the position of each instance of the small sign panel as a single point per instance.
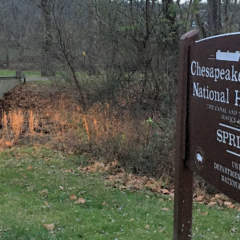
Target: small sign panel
(213, 118)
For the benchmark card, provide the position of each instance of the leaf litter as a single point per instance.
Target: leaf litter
(119, 178)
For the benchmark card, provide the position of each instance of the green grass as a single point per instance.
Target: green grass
(7, 73)
(31, 197)
(32, 73)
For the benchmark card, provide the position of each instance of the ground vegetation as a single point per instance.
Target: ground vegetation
(112, 68)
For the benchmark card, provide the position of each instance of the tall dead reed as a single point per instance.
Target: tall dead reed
(141, 145)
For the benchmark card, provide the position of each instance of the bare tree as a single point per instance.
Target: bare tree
(214, 16)
(18, 28)
(47, 66)
(66, 44)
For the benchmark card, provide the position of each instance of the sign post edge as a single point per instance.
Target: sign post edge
(183, 176)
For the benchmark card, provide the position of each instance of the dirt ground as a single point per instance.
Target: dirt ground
(36, 97)
(29, 112)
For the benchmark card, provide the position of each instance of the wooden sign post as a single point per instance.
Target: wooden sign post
(183, 175)
(208, 121)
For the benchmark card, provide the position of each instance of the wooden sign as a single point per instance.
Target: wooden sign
(208, 124)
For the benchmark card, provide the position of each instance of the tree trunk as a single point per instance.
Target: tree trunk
(214, 16)
(170, 16)
(47, 68)
(7, 56)
(91, 36)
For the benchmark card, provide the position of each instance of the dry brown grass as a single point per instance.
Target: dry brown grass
(103, 131)
(12, 123)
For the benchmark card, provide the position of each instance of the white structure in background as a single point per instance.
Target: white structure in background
(228, 56)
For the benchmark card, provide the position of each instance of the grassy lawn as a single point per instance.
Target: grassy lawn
(10, 73)
(7, 73)
(38, 200)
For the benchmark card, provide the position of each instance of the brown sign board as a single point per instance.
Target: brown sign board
(214, 112)
(208, 121)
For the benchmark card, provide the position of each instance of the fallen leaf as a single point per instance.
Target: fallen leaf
(165, 209)
(161, 229)
(29, 168)
(232, 206)
(218, 196)
(80, 201)
(165, 191)
(213, 199)
(227, 204)
(49, 227)
(44, 192)
(212, 204)
(147, 227)
(199, 198)
(220, 202)
(73, 197)
(8, 144)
